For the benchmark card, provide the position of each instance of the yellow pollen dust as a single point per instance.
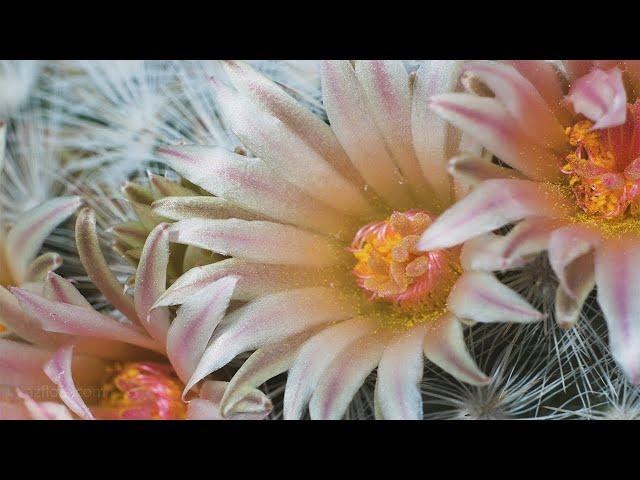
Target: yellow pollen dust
(404, 286)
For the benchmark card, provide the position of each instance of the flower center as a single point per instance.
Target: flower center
(143, 391)
(604, 168)
(389, 267)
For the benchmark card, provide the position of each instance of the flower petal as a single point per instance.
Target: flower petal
(522, 101)
(181, 208)
(344, 377)
(352, 124)
(252, 185)
(58, 369)
(255, 280)
(151, 282)
(41, 266)
(73, 320)
(194, 324)
(489, 122)
(386, 88)
(314, 358)
(570, 256)
(263, 364)
(15, 319)
(617, 277)
(26, 237)
(284, 151)
(44, 410)
(255, 406)
(479, 296)
(258, 241)
(97, 267)
(58, 289)
(601, 97)
(21, 364)
(397, 392)
(434, 141)
(267, 320)
(501, 252)
(472, 169)
(444, 345)
(493, 204)
(567, 308)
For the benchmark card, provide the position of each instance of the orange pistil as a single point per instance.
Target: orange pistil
(390, 268)
(143, 391)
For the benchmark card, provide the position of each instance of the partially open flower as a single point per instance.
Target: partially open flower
(573, 186)
(321, 231)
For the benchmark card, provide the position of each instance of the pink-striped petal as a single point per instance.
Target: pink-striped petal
(480, 297)
(254, 280)
(314, 358)
(194, 324)
(270, 97)
(26, 237)
(522, 101)
(285, 152)
(444, 345)
(352, 124)
(58, 369)
(21, 364)
(434, 140)
(601, 97)
(254, 406)
(501, 252)
(617, 278)
(262, 365)
(397, 392)
(73, 320)
(387, 92)
(344, 377)
(472, 169)
(252, 185)
(44, 410)
(493, 204)
(97, 267)
(268, 320)
(181, 208)
(491, 124)
(151, 282)
(257, 241)
(58, 289)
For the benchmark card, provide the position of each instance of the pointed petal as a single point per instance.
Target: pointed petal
(434, 141)
(387, 91)
(601, 97)
(570, 256)
(58, 369)
(58, 289)
(267, 320)
(352, 123)
(493, 204)
(131, 233)
(41, 266)
(489, 122)
(72, 320)
(3, 140)
(44, 410)
(151, 282)
(194, 324)
(314, 358)
(397, 392)
(258, 241)
(15, 319)
(617, 277)
(254, 406)
(479, 296)
(250, 184)
(262, 365)
(274, 100)
(280, 148)
(181, 208)
(26, 237)
(163, 187)
(255, 280)
(522, 101)
(500, 252)
(472, 169)
(444, 345)
(567, 309)
(97, 267)
(344, 377)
